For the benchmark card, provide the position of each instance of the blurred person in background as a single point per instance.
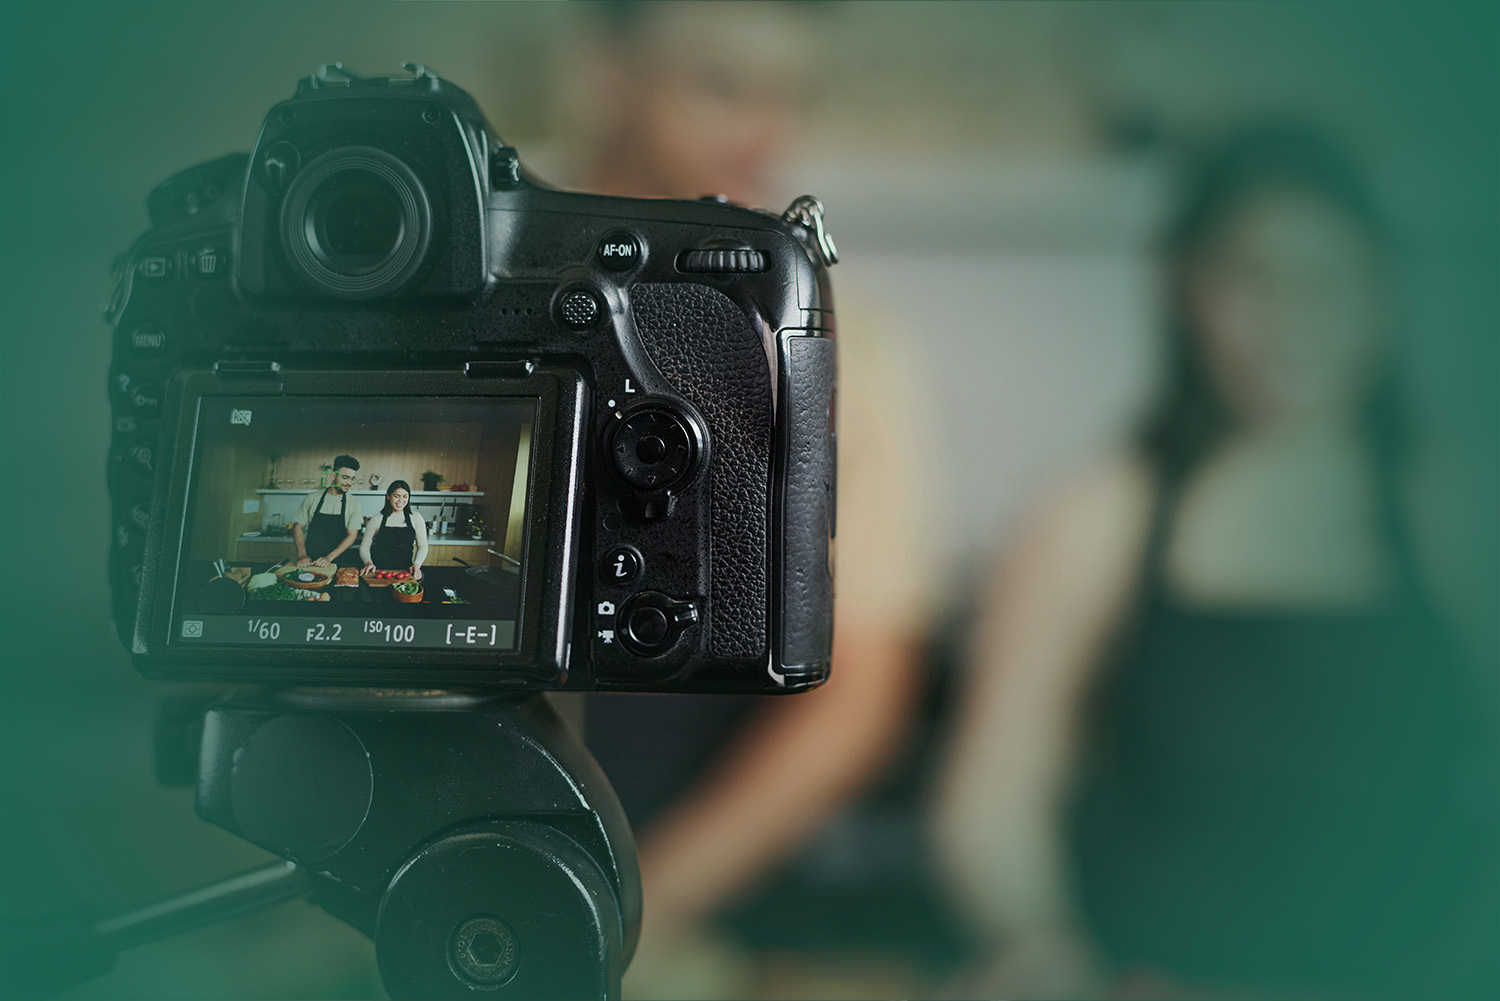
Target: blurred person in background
(685, 101)
(1220, 737)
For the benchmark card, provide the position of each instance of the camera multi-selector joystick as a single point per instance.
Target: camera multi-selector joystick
(655, 448)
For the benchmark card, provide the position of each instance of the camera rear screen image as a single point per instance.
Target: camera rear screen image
(383, 522)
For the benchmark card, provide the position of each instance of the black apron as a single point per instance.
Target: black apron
(326, 531)
(393, 547)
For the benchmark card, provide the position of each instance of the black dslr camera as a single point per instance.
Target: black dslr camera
(630, 401)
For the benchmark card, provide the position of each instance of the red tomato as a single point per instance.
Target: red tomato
(402, 575)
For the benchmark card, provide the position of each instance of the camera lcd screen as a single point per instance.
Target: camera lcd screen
(381, 522)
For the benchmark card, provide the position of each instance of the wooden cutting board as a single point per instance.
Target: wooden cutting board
(375, 582)
(325, 574)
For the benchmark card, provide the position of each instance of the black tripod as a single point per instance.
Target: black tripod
(471, 837)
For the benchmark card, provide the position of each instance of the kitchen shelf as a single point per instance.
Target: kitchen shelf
(377, 493)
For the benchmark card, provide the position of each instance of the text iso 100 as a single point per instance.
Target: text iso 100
(391, 632)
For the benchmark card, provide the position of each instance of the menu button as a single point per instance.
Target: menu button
(149, 340)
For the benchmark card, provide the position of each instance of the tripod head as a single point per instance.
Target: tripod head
(472, 837)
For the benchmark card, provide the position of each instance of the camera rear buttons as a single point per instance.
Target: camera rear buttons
(154, 267)
(141, 458)
(619, 251)
(653, 449)
(620, 565)
(145, 399)
(148, 340)
(579, 309)
(209, 262)
(650, 622)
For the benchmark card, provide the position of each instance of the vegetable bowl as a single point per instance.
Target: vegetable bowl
(409, 591)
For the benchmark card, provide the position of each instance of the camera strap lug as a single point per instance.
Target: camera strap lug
(807, 212)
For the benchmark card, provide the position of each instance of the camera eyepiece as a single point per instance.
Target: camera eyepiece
(356, 223)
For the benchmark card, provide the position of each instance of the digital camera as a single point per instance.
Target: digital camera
(611, 419)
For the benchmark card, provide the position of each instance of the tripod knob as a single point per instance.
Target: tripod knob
(513, 909)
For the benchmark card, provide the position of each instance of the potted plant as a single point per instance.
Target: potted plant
(430, 480)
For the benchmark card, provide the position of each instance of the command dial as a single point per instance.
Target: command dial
(654, 448)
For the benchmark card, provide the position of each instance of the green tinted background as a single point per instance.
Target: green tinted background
(101, 102)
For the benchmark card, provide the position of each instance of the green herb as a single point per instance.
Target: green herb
(279, 591)
(409, 587)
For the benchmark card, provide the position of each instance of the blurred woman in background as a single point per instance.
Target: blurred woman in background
(1219, 737)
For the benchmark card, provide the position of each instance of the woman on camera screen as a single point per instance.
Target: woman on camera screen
(396, 539)
(1219, 736)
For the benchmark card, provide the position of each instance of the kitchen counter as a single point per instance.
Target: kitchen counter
(479, 598)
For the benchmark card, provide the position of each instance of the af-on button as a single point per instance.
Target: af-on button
(619, 251)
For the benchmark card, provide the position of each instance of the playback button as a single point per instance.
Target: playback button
(156, 267)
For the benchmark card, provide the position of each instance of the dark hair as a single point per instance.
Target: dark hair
(396, 485)
(346, 462)
(1193, 416)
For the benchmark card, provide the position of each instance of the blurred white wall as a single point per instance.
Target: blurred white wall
(1024, 291)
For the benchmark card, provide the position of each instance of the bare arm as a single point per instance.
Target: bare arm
(1046, 618)
(300, 538)
(799, 760)
(420, 526)
(371, 528)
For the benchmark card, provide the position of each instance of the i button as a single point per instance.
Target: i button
(620, 565)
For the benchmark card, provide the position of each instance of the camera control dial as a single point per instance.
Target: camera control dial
(654, 448)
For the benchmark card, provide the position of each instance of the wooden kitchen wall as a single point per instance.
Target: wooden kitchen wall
(496, 477)
(229, 477)
(391, 451)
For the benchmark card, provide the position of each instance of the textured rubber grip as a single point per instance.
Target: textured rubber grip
(806, 584)
(706, 348)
